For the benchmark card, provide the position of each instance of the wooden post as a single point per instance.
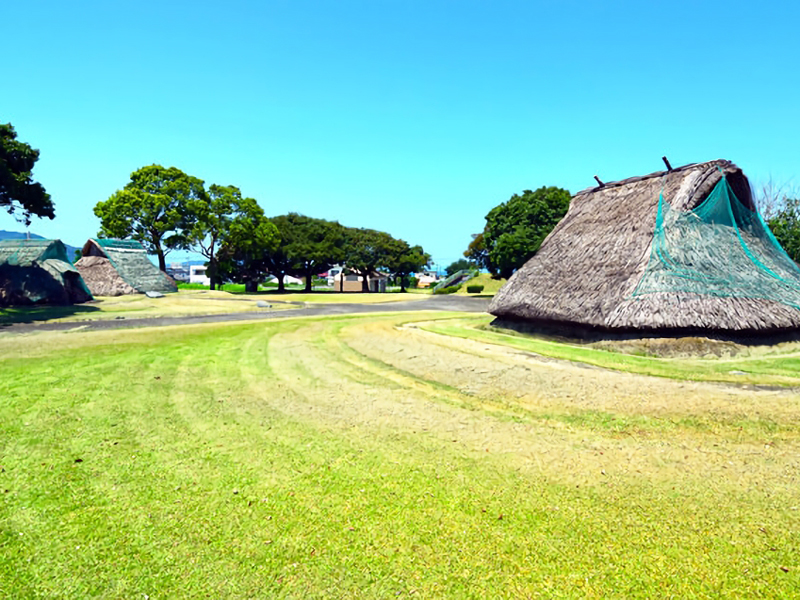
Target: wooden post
(600, 183)
(666, 162)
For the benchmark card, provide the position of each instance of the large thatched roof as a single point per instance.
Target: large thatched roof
(38, 272)
(113, 267)
(589, 274)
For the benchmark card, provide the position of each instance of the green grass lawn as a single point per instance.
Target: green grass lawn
(317, 458)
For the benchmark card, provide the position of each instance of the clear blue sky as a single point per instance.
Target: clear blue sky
(413, 117)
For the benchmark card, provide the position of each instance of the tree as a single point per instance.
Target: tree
(276, 260)
(462, 264)
(311, 246)
(779, 205)
(151, 208)
(209, 219)
(404, 260)
(785, 226)
(515, 229)
(249, 239)
(478, 253)
(18, 191)
(367, 250)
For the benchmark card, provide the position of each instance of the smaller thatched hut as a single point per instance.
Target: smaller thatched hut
(116, 267)
(39, 272)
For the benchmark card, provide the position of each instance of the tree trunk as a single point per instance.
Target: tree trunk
(365, 283)
(402, 284)
(281, 287)
(309, 279)
(162, 260)
(212, 274)
(251, 286)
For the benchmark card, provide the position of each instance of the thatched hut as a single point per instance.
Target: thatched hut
(678, 252)
(113, 267)
(39, 272)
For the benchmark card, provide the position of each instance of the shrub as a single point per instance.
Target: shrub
(448, 290)
(474, 289)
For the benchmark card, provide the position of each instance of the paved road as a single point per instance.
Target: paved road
(454, 303)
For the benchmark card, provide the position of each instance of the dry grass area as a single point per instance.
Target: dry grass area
(366, 457)
(340, 298)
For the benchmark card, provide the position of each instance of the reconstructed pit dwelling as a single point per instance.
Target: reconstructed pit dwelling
(677, 252)
(112, 267)
(39, 272)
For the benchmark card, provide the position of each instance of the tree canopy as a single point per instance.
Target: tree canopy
(250, 238)
(152, 208)
(462, 264)
(367, 250)
(223, 215)
(477, 252)
(404, 260)
(311, 245)
(515, 229)
(19, 193)
(785, 226)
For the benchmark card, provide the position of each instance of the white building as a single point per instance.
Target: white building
(197, 274)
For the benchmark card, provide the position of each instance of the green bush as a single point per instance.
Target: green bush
(448, 290)
(474, 289)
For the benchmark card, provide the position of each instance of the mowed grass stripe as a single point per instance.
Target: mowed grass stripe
(232, 461)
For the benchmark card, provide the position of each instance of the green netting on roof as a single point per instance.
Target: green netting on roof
(25, 252)
(720, 248)
(129, 259)
(120, 244)
(39, 271)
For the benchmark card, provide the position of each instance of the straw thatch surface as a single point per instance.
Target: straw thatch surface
(38, 272)
(102, 278)
(116, 267)
(583, 277)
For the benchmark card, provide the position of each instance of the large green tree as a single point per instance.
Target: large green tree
(276, 261)
(311, 245)
(210, 218)
(19, 193)
(152, 208)
(366, 251)
(404, 260)
(515, 229)
(250, 238)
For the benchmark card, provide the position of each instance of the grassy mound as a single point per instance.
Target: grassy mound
(490, 286)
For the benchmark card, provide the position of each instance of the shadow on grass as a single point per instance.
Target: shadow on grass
(36, 314)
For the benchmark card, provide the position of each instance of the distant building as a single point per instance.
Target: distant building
(333, 273)
(197, 274)
(376, 282)
(426, 279)
(178, 271)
